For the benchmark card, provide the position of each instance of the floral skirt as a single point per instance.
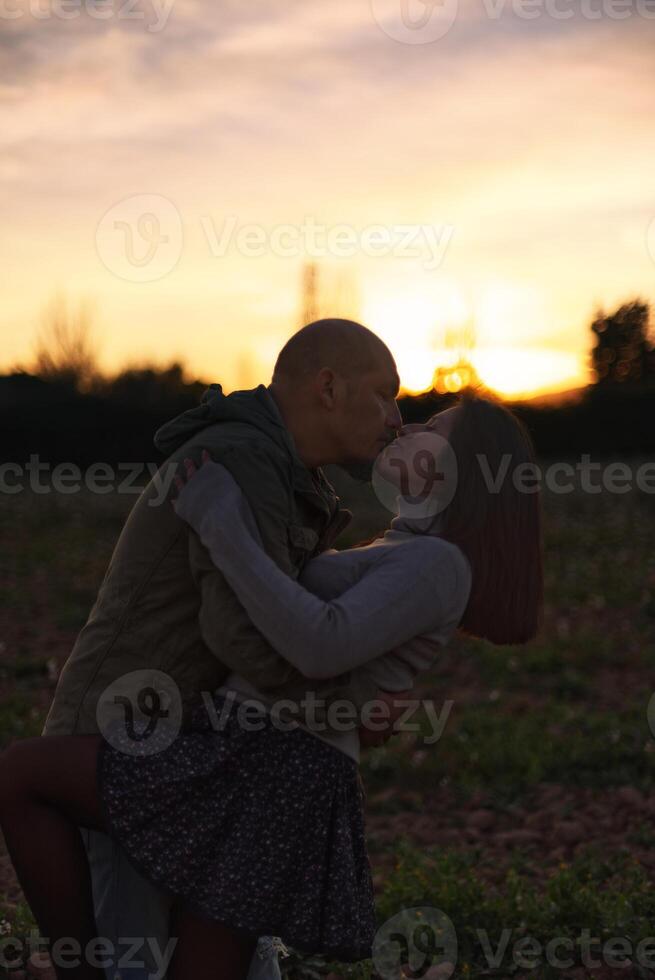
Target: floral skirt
(260, 830)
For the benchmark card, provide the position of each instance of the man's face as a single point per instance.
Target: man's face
(371, 416)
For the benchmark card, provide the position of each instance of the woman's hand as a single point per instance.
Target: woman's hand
(190, 469)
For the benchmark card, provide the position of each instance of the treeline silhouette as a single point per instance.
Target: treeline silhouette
(113, 421)
(63, 409)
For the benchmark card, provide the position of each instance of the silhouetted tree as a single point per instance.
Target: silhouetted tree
(65, 350)
(623, 351)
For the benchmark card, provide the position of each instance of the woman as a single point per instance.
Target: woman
(260, 830)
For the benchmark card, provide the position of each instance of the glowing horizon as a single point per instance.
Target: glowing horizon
(517, 148)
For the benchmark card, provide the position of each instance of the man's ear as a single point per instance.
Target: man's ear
(330, 388)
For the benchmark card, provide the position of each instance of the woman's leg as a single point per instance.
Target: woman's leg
(47, 791)
(207, 950)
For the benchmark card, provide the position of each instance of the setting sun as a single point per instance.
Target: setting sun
(496, 334)
(528, 372)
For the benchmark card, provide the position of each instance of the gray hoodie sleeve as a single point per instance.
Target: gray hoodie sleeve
(408, 590)
(328, 576)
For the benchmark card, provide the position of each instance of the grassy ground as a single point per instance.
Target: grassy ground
(532, 818)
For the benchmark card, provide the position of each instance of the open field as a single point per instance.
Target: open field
(532, 816)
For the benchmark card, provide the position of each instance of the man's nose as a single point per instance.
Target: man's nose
(394, 419)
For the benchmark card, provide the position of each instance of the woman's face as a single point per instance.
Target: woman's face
(411, 461)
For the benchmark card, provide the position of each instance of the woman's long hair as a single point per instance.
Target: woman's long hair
(495, 518)
(494, 521)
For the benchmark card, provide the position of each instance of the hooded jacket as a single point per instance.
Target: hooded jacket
(164, 607)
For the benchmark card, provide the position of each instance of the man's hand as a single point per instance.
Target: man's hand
(369, 738)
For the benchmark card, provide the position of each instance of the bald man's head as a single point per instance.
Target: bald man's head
(335, 384)
(346, 347)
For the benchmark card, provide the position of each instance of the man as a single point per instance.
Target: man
(164, 607)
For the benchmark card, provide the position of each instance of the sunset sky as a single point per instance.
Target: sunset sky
(496, 181)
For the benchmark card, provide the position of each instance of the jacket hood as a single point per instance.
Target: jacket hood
(255, 406)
